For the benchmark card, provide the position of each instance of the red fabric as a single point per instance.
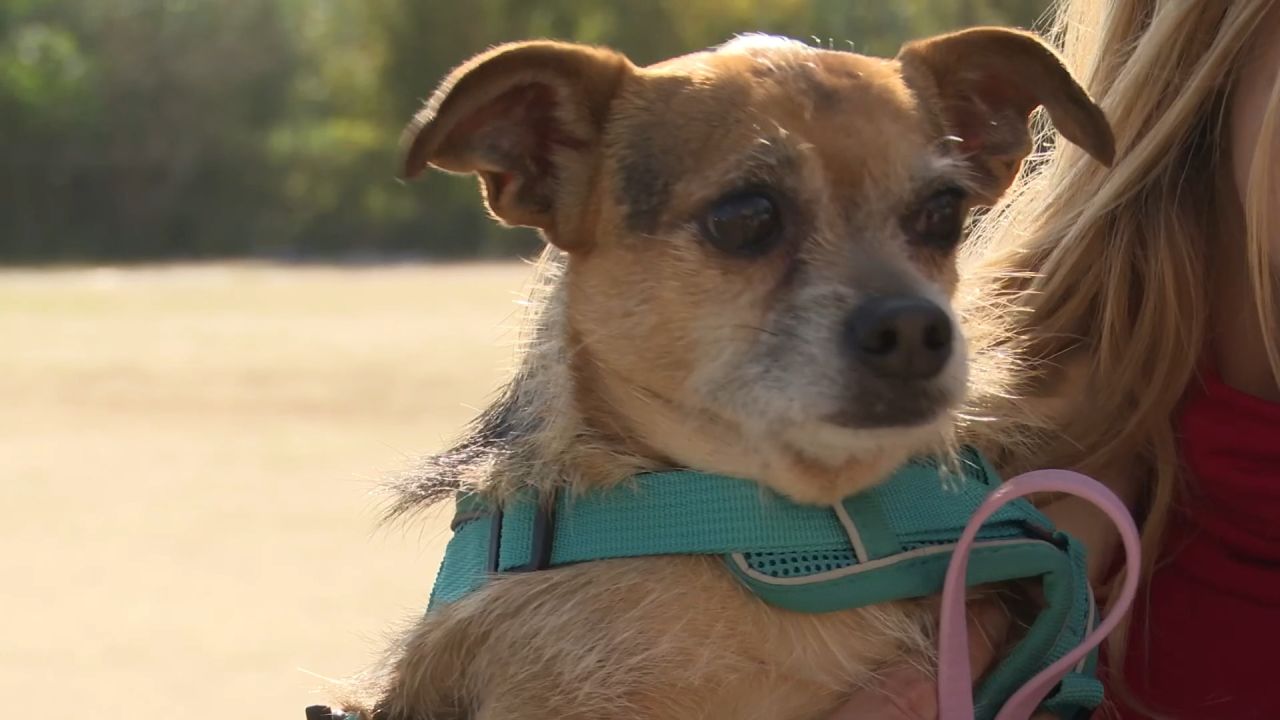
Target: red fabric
(1213, 648)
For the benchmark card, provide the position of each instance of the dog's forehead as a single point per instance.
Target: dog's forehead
(768, 69)
(699, 112)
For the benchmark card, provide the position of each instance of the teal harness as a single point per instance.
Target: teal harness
(892, 542)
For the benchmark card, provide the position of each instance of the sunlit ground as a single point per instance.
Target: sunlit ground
(186, 461)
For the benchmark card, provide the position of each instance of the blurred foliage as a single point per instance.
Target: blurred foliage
(146, 129)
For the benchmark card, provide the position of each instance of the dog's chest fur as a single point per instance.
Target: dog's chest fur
(672, 637)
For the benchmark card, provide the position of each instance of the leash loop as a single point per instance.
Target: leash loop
(955, 684)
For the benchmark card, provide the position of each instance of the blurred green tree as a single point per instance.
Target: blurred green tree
(148, 129)
(132, 129)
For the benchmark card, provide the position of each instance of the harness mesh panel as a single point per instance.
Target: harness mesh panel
(799, 564)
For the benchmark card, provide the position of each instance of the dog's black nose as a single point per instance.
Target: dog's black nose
(905, 338)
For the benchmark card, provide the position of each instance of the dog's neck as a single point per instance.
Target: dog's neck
(538, 432)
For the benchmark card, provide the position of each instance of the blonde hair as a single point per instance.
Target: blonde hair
(1104, 276)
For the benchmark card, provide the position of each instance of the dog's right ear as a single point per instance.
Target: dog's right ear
(527, 118)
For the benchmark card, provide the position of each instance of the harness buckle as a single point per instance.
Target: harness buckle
(540, 540)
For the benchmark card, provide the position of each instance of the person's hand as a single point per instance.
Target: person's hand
(909, 692)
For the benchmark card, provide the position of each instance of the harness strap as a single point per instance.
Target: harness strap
(684, 512)
(888, 543)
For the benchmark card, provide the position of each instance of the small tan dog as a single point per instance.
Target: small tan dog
(753, 258)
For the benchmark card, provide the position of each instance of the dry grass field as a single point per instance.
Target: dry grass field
(186, 461)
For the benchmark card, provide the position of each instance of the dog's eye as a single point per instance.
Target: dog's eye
(746, 223)
(938, 221)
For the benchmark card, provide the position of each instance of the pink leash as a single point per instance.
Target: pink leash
(955, 683)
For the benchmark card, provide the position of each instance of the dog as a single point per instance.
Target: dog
(752, 256)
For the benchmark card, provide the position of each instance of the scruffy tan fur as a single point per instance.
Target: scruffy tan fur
(649, 348)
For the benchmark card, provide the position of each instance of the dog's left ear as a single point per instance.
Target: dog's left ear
(527, 118)
(983, 84)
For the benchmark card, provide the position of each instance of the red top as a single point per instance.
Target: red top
(1213, 649)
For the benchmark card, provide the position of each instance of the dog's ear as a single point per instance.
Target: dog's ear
(527, 118)
(983, 84)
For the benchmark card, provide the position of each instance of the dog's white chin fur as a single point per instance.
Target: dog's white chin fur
(835, 446)
(810, 462)
(807, 459)
(816, 461)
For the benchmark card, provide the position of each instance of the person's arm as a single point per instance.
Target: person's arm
(909, 692)
(1088, 524)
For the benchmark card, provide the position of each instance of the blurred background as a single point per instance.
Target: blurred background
(222, 320)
